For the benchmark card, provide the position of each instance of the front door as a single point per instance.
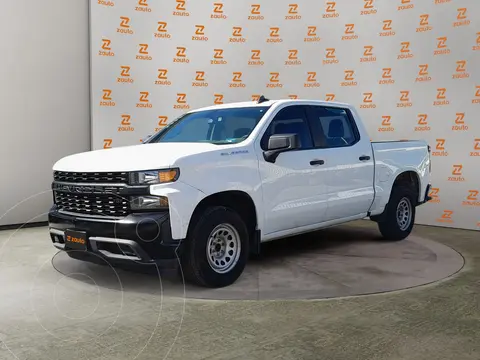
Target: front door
(294, 187)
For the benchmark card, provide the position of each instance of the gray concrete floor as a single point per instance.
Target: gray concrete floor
(45, 315)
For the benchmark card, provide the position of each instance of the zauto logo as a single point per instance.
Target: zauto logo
(405, 52)
(368, 55)
(349, 78)
(461, 70)
(386, 77)
(312, 35)
(143, 53)
(404, 99)
(446, 217)
(440, 148)
(441, 97)
(369, 8)
(330, 57)
(461, 18)
(124, 26)
(368, 101)
(434, 195)
(349, 32)
(181, 102)
(162, 78)
(126, 124)
(255, 13)
(293, 12)
(181, 9)
(422, 123)
(144, 101)
(162, 122)
(255, 59)
(143, 6)
(199, 33)
(107, 99)
(424, 24)
(237, 36)
(293, 58)
(423, 75)
(218, 99)
(274, 80)
(387, 28)
(218, 12)
(330, 97)
(106, 48)
(442, 48)
(125, 76)
(472, 198)
(311, 80)
(457, 174)
(274, 35)
(330, 10)
(162, 31)
(406, 4)
(476, 148)
(200, 80)
(181, 56)
(386, 124)
(107, 143)
(218, 57)
(237, 80)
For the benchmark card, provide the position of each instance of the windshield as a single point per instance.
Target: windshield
(219, 126)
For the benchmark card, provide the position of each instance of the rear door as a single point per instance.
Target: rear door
(293, 187)
(348, 158)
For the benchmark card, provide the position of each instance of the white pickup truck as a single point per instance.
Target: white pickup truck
(214, 184)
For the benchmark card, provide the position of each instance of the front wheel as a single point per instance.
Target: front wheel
(400, 214)
(216, 249)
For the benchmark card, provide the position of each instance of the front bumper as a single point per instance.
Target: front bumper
(140, 237)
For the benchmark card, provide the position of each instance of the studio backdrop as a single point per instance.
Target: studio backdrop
(410, 66)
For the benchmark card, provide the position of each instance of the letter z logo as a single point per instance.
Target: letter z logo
(387, 73)
(218, 8)
(368, 51)
(125, 22)
(126, 120)
(312, 76)
(125, 71)
(199, 30)
(107, 94)
(312, 31)
(368, 4)
(200, 76)
(331, 6)
(424, 19)
(237, 77)
(162, 74)
(405, 47)
(144, 96)
(423, 70)
(237, 31)
(440, 144)
(367, 97)
(405, 96)
(422, 119)
(472, 195)
(106, 44)
(442, 42)
(274, 77)
(349, 75)
(293, 9)
(274, 32)
(386, 120)
(447, 214)
(292, 54)
(255, 9)
(462, 13)
(143, 49)
(218, 99)
(181, 51)
(181, 98)
(181, 5)
(457, 170)
(349, 28)
(255, 54)
(387, 24)
(218, 54)
(330, 53)
(441, 93)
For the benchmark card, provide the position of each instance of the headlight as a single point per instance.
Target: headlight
(149, 203)
(154, 177)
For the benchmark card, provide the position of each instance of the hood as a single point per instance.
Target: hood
(132, 158)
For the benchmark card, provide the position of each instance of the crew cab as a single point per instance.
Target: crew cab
(215, 183)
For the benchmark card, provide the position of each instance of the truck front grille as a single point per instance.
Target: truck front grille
(92, 204)
(91, 178)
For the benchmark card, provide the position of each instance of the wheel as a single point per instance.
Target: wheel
(216, 250)
(400, 214)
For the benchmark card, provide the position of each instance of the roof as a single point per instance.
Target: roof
(270, 103)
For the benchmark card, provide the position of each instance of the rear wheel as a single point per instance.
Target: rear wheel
(400, 214)
(216, 249)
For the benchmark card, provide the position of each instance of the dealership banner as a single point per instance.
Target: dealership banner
(411, 67)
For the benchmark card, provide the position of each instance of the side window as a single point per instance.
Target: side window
(290, 120)
(332, 127)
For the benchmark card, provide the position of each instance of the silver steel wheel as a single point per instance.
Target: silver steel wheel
(223, 248)
(404, 214)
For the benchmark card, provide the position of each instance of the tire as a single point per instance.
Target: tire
(394, 227)
(222, 233)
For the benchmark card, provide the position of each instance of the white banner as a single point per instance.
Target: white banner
(410, 66)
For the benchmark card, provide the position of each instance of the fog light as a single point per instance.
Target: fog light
(149, 203)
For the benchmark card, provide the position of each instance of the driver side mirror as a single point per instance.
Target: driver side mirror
(280, 143)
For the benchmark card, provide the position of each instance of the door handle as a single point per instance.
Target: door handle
(317, 162)
(364, 158)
